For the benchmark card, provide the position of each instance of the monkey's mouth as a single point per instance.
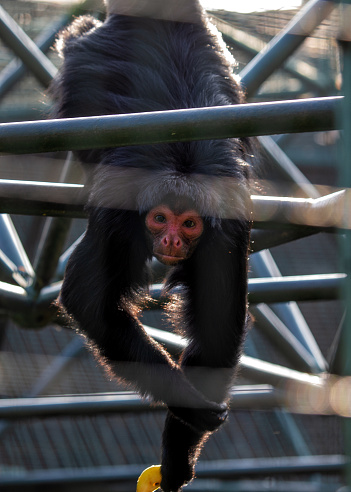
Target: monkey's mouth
(169, 260)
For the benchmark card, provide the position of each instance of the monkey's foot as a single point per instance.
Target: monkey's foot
(150, 479)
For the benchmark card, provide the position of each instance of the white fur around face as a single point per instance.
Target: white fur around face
(132, 188)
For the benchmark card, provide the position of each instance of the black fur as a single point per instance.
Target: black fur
(129, 65)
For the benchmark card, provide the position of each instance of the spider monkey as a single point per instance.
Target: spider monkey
(186, 203)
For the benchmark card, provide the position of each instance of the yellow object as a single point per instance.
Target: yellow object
(150, 479)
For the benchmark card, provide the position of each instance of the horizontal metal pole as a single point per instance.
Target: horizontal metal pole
(17, 408)
(325, 212)
(204, 469)
(267, 237)
(255, 370)
(285, 289)
(298, 288)
(67, 200)
(13, 298)
(240, 120)
(39, 198)
(268, 290)
(276, 465)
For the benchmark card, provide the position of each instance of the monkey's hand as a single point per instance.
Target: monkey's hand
(202, 419)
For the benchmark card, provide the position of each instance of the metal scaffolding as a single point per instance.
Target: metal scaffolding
(28, 289)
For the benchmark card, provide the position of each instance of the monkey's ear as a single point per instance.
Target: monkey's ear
(79, 27)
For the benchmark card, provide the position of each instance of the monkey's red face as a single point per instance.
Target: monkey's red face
(174, 235)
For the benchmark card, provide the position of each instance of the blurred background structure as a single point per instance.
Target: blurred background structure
(63, 424)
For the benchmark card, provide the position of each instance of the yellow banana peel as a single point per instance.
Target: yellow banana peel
(150, 479)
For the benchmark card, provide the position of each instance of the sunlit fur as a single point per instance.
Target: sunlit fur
(131, 64)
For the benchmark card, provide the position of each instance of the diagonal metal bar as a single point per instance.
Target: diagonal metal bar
(280, 335)
(52, 372)
(62, 263)
(284, 44)
(287, 168)
(265, 266)
(10, 273)
(52, 240)
(305, 72)
(26, 49)
(15, 70)
(13, 249)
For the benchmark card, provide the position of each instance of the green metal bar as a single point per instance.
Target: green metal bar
(265, 239)
(52, 372)
(13, 298)
(10, 273)
(42, 198)
(268, 290)
(26, 49)
(15, 70)
(170, 126)
(219, 469)
(284, 44)
(26, 113)
(286, 419)
(62, 263)
(345, 179)
(262, 372)
(300, 288)
(246, 397)
(280, 335)
(253, 369)
(286, 168)
(261, 67)
(260, 485)
(290, 465)
(264, 265)
(283, 289)
(12, 247)
(325, 213)
(306, 73)
(52, 240)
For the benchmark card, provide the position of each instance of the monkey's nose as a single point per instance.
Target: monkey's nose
(172, 242)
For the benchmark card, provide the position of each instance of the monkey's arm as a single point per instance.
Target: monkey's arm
(216, 279)
(103, 273)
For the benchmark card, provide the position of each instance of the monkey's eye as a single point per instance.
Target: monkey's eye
(189, 224)
(160, 218)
